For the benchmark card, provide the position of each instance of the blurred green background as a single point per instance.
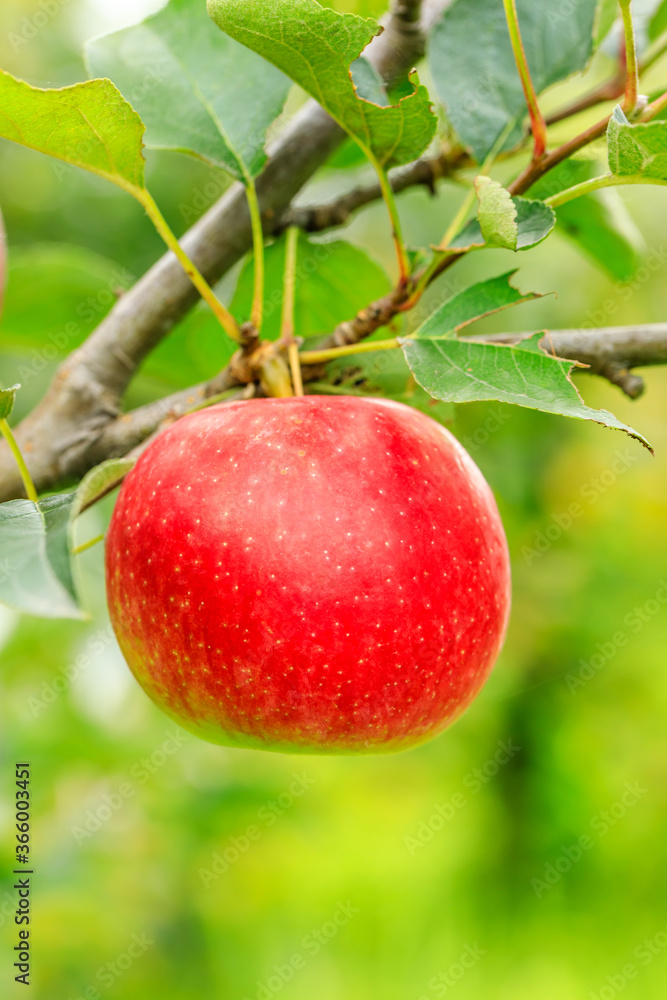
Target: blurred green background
(445, 880)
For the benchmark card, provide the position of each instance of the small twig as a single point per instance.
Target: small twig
(534, 171)
(654, 109)
(422, 173)
(538, 168)
(610, 90)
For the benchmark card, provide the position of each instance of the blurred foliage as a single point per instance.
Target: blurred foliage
(417, 909)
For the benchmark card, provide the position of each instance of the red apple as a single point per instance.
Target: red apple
(324, 574)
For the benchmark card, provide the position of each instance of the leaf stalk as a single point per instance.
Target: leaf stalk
(26, 478)
(537, 123)
(596, 184)
(221, 313)
(396, 228)
(631, 59)
(330, 354)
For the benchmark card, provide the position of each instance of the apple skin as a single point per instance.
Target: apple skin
(324, 574)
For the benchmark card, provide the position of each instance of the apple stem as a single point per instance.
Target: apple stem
(287, 320)
(257, 313)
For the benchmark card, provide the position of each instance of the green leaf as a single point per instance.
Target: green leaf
(368, 83)
(534, 222)
(89, 125)
(349, 155)
(471, 304)
(474, 71)
(637, 148)
(7, 400)
(333, 281)
(598, 223)
(315, 46)
(197, 91)
(98, 482)
(35, 570)
(57, 512)
(76, 286)
(608, 12)
(658, 23)
(463, 371)
(496, 214)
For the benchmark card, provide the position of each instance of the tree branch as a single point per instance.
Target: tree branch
(61, 438)
(538, 168)
(422, 173)
(610, 352)
(404, 37)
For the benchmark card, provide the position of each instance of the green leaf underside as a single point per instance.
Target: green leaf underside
(197, 91)
(496, 214)
(333, 282)
(475, 73)
(99, 481)
(658, 22)
(57, 511)
(599, 223)
(472, 304)
(368, 83)
(35, 572)
(89, 125)
(7, 399)
(464, 371)
(608, 13)
(534, 221)
(315, 47)
(637, 148)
